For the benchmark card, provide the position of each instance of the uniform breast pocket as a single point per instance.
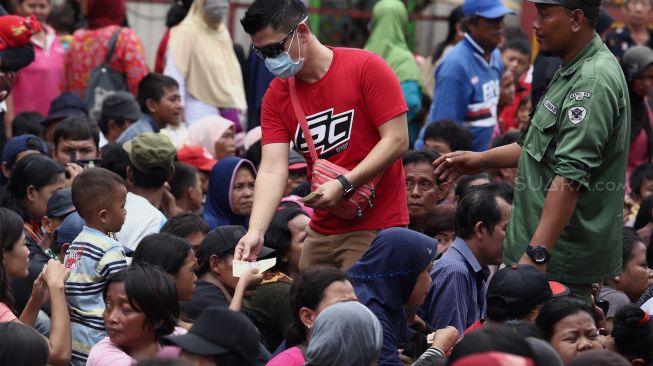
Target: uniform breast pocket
(539, 135)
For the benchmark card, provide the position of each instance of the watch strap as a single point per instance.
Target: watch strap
(346, 185)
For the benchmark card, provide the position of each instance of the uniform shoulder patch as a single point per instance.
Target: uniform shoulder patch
(580, 95)
(576, 114)
(550, 107)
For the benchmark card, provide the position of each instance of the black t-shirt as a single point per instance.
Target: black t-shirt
(206, 294)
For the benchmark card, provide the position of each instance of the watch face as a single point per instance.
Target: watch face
(539, 255)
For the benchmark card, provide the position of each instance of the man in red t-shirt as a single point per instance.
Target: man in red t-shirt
(357, 115)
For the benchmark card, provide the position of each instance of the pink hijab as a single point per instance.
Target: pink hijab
(206, 131)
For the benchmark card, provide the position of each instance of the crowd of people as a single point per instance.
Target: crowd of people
(490, 204)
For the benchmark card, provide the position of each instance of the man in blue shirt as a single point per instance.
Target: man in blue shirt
(457, 294)
(467, 79)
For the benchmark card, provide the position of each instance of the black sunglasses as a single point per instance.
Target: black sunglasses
(275, 49)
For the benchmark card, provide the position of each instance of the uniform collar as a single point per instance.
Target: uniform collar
(461, 246)
(479, 52)
(474, 45)
(592, 47)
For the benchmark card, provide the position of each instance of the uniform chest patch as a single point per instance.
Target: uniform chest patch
(577, 114)
(550, 107)
(580, 95)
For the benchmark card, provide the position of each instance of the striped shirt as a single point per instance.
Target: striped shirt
(457, 293)
(91, 259)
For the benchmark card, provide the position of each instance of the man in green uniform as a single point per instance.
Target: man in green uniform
(569, 193)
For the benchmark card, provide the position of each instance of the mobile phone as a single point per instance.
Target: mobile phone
(89, 163)
(604, 305)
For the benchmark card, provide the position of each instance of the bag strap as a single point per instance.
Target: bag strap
(301, 118)
(112, 46)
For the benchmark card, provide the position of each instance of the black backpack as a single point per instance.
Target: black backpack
(104, 81)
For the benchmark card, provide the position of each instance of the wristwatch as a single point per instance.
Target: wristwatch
(348, 188)
(539, 254)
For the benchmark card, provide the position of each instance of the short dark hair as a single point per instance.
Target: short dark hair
(519, 44)
(115, 159)
(185, 176)
(27, 123)
(644, 171)
(632, 336)
(92, 190)
(254, 153)
(557, 309)
(458, 137)
(645, 213)
(307, 291)
(152, 292)
(441, 218)
(462, 185)
(418, 156)
(278, 235)
(103, 123)
(153, 86)
(630, 241)
(281, 15)
(154, 177)
(186, 224)
(22, 345)
(77, 128)
(479, 204)
(497, 338)
(163, 250)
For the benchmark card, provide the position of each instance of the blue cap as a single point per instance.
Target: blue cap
(64, 106)
(22, 143)
(490, 9)
(71, 226)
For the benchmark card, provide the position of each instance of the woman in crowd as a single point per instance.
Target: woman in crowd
(629, 285)
(13, 264)
(231, 193)
(21, 345)
(90, 45)
(394, 273)
(216, 134)
(312, 292)
(199, 43)
(440, 225)
(345, 334)
(637, 63)
(177, 12)
(632, 335)
(388, 40)
(569, 326)
(141, 306)
(46, 70)
(286, 236)
(172, 254)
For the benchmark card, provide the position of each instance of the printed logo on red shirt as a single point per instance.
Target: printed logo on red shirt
(331, 133)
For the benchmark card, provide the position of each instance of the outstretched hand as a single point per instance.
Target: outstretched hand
(449, 167)
(248, 247)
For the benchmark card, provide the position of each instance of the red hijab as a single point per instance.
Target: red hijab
(102, 13)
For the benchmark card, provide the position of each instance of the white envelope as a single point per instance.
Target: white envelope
(239, 267)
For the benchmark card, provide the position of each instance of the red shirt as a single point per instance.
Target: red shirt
(344, 109)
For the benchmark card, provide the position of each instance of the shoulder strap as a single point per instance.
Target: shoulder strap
(112, 46)
(301, 118)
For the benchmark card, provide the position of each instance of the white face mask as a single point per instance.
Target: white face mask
(216, 10)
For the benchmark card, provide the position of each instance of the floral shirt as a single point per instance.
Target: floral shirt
(88, 49)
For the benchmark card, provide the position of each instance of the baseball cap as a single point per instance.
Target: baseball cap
(223, 240)
(219, 331)
(196, 156)
(519, 288)
(489, 9)
(590, 8)
(121, 105)
(296, 161)
(64, 106)
(150, 150)
(60, 203)
(635, 60)
(21, 143)
(71, 226)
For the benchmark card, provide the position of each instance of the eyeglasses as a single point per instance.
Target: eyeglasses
(275, 49)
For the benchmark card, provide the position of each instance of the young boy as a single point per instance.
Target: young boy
(516, 54)
(99, 197)
(446, 136)
(160, 102)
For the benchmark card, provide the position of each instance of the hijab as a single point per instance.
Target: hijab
(635, 60)
(207, 61)
(389, 20)
(206, 131)
(385, 276)
(345, 334)
(218, 207)
(103, 13)
(493, 359)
